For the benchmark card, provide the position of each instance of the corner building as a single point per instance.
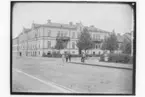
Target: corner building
(41, 38)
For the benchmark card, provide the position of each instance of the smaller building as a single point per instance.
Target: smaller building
(15, 46)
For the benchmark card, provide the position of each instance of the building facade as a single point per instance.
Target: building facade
(15, 46)
(41, 38)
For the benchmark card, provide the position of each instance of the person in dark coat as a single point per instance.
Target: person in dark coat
(66, 56)
(83, 57)
(69, 57)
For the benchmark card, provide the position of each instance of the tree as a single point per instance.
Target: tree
(59, 43)
(85, 41)
(126, 46)
(110, 43)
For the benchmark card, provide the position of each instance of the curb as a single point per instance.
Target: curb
(102, 65)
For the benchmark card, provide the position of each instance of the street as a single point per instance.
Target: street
(51, 75)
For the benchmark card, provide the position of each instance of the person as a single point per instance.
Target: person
(66, 57)
(20, 53)
(63, 58)
(69, 57)
(83, 57)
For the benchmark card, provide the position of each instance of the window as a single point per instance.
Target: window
(73, 52)
(48, 53)
(96, 46)
(38, 33)
(49, 44)
(61, 34)
(58, 34)
(98, 37)
(36, 46)
(73, 34)
(78, 35)
(49, 32)
(65, 34)
(94, 36)
(73, 45)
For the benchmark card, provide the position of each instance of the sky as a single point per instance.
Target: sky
(103, 16)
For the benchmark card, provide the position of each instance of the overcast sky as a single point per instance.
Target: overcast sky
(103, 16)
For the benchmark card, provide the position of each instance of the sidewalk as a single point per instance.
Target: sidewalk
(95, 62)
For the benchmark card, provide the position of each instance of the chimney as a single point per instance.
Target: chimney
(70, 23)
(48, 21)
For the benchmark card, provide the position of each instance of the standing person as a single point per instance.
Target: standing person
(63, 58)
(69, 57)
(83, 57)
(66, 56)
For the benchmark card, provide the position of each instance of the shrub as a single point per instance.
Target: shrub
(78, 55)
(121, 58)
(47, 55)
(102, 57)
(118, 58)
(56, 54)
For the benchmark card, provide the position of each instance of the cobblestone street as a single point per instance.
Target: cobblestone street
(50, 75)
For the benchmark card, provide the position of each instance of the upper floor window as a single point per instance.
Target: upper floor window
(73, 45)
(58, 34)
(98, 37)
(94, 36)
(39, 44)
(36, 35)
(73, 34)
(49, 44)
(65, 34)
(49, 32)
(61, 34)
(36, 46)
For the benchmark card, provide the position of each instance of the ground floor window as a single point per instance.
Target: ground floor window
(48, 53)
(73, 52)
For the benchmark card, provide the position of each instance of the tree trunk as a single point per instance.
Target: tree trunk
(80, 51)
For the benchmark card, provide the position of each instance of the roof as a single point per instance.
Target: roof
(94, 29)
(62, 26)
(25, 30)
(58, 25)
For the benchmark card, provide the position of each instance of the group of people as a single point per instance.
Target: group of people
(66, 57)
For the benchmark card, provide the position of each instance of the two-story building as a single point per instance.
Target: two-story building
(41, 38)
